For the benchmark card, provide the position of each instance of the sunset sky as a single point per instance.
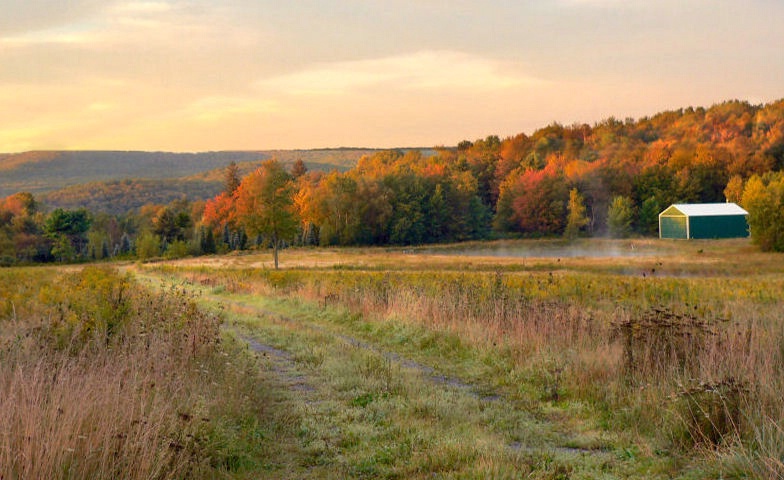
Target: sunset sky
(197, 75)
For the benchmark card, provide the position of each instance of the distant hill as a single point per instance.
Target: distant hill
(50, 171)
(121, 196)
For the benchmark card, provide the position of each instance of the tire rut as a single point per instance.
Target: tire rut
(285, 365)
(426, 371)
(281, 362)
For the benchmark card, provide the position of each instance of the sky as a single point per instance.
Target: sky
(205, 75)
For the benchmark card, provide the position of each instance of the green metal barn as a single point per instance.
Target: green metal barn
(703, 220)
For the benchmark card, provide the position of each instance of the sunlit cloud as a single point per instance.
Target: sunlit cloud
(61, 36)
(427, 70)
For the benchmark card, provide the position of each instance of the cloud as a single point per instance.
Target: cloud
(20, 16)
(135, 25)
(426, 70)
(136, 8)
(58, 36)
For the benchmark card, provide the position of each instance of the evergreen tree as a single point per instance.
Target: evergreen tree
(226, 237)
(206, 240)
(125, 243)
(648, 218)
(619, 217)
(480, 219)
(68, 226)
(438, 216)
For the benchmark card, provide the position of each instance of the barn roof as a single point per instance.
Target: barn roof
(709, 209)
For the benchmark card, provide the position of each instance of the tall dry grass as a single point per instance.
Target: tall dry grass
(100, 378)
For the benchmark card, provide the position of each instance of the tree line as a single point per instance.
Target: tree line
(608, 179)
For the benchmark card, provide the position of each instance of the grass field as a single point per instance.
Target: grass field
(526, 359)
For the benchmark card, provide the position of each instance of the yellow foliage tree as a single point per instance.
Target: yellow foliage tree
(763, 198)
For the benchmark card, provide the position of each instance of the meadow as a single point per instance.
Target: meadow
(516, 359)
(671, 352)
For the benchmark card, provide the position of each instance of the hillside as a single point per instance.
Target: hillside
(121, 196)
(43, 172)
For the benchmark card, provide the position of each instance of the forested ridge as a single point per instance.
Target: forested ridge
(610, 178)
(123, 196)
(41, 172)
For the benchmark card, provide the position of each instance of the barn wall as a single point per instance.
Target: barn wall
(672, 227)
(729, 226)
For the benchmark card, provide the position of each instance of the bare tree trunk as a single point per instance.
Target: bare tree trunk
(275, 243)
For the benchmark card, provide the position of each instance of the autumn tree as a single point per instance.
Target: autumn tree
(763, 198)
(220, 213)
(298, 169)
(532, 203)
(511, 156)
(734, 190)
(335, 208)
(305, 202)
(231, 178)
(575, 217)
(265, 205)
(21, 203)
(20, 230)
(482, 159)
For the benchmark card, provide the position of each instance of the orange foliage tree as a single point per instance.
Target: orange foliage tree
(265, 205)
